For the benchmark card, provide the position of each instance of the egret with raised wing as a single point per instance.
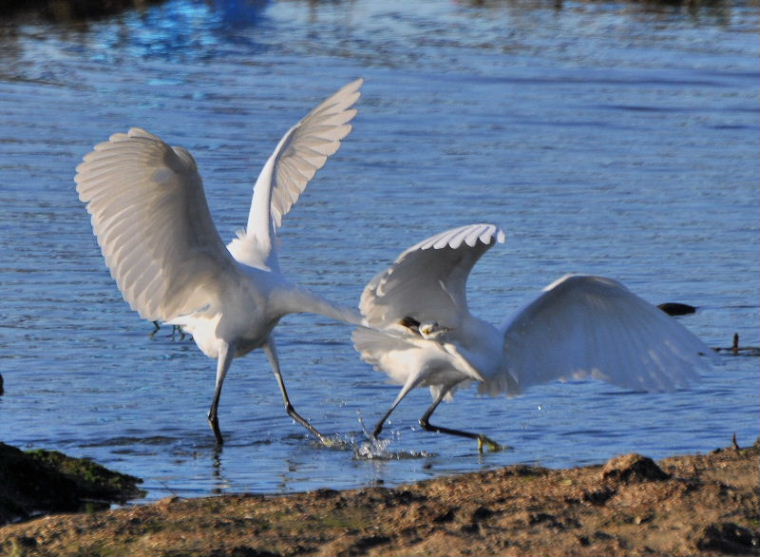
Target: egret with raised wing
(417, 328)
(153, 224)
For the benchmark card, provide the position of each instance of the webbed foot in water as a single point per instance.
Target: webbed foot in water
(492, 445)
(334, 442)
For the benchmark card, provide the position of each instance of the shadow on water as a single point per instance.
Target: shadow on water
(715, 8)
(159, 29)
(234, 13)
(180, 29)
(237, 13)
(67, 11)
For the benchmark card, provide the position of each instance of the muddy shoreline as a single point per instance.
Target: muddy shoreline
(684, 505)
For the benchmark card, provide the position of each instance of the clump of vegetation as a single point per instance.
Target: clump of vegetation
(40, 482)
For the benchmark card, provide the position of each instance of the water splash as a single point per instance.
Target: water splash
(379, 449)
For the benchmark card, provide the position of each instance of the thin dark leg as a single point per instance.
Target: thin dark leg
(223, 362)
(427, 426)
(381, 423)
(404, 391)
(177, 330)
(271, 352)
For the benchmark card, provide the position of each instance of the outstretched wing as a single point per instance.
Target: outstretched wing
(427, 282)
(586, 325)
(152, 222)
(302, 151)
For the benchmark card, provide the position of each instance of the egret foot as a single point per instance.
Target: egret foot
(492, 445)
(334, 442)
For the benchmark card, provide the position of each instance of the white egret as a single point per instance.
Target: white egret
(417, 328)
(153, 224)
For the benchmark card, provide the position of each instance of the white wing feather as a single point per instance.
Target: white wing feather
(387, 351)
(587, 325)
(311, 142)
(302, 151)
(152, 222)
(427, 282)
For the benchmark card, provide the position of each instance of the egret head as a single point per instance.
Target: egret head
(432, 330)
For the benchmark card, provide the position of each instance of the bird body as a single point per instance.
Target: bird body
(152, 221)
(417, 328)
(253, 308)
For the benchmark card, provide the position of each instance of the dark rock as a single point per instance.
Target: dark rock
(728, 538)
(676, 308)
(482, 513)
(448, 516)
(325, 493)
(598, 497)
(633, 468)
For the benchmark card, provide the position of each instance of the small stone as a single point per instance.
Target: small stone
(325, 493)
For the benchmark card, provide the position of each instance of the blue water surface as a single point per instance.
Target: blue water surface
(612, 138)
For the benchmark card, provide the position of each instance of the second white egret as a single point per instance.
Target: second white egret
(417, 328)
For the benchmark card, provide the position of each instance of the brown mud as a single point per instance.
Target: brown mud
(684, 505)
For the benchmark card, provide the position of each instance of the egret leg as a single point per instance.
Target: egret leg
(177, 330)
(408, 386)
(155, 330)
(379, 426)
(271, 352)
(427, 426)
(223, 362)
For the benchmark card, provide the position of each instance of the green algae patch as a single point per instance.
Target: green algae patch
(93, 480)
(42, 482)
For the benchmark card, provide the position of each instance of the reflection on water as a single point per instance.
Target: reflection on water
(717, 12)
(70, 11)
(608, 137)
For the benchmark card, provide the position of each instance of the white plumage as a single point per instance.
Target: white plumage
(152, 222)
(417, 328)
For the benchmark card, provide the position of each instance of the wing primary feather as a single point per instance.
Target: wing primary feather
(583, 325)
(299, 154)
(150, 216)
(427, 282)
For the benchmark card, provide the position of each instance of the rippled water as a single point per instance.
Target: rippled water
(610, 138)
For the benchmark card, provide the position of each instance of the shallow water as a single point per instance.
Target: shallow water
(610, 138)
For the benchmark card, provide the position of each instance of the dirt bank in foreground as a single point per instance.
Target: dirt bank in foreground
(687, 505)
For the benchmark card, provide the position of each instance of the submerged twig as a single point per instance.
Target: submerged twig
(737, 350)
